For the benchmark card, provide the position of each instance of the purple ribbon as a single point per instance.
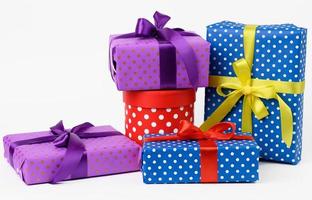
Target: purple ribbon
(170, 40)
(75, 161)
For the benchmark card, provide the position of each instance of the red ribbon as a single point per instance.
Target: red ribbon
(207, 142)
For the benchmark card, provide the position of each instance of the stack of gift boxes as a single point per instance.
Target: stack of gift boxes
(158, 71)
(254, 79)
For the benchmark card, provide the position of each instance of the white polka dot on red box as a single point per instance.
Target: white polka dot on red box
(160, 111)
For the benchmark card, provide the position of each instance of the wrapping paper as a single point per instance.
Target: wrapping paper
(136, 63)
(37, 163)
(279, 55)
(180, 161)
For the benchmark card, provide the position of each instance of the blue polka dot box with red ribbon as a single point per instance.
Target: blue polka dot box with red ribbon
(257, 81)
(218, 155)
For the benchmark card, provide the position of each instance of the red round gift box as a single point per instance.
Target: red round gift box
(159, 111)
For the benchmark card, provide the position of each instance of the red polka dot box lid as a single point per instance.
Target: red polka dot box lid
(148, 112)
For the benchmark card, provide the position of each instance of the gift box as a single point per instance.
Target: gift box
(59, 154)
(156, 111)
(257, 81)
(192, 156)
(155, 57)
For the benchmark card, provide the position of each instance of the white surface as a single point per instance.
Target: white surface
(53, 65)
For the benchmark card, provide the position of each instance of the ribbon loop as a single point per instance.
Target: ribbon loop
(160, 19)
(145, 28)
(188, 131)
(58, 129)
(222, 131)
(242, 71)
(81, 128)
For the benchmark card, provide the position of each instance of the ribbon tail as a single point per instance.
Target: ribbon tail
(286, 121)
(71, 159)
(220, 113)
(246, 114)
(259, 108)
(185, 51)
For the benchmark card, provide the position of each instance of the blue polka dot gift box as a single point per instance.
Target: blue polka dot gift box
(193, 156)
(257, 81)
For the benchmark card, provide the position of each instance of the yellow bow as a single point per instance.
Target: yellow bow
(252, 90)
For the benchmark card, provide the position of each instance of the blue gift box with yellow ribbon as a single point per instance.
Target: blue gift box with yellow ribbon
(257, 81)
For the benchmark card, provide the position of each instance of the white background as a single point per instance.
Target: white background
(53, 65)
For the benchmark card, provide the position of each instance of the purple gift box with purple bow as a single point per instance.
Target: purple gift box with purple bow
(63, 154)
(154, 57)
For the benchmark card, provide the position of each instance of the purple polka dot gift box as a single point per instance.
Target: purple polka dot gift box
(257, 81)
(193, 156)
(63, 154)
(154, 57)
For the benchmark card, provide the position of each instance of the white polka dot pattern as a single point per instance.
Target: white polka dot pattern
(179, 161)
(238, 161)
(279, 55)
(141, 120)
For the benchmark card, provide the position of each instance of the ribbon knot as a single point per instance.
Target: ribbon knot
(62, 140)
(64, 135)
(247, 90)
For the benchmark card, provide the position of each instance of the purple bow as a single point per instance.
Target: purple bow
(75, 148)
(145, 28)
(74, 162)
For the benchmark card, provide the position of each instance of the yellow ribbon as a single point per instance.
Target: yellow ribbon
(252, 91)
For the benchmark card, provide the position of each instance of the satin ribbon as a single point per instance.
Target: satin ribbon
(207, 142)
(174, 37)
(252, 91)
(74, 161)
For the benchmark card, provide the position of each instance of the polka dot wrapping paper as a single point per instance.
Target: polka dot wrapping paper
(279, 55)
(38, 163)
(137, 65)
(180, 161)
(156, 111)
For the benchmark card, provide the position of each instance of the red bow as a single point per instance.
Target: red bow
(187, 131)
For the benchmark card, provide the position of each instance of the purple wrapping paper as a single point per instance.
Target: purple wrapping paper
(136, 63)
(38, 163)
